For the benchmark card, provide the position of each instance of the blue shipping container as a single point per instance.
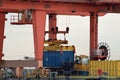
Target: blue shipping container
(57, 59)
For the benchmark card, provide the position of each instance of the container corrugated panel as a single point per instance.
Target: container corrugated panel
(111, 67)
(118, 68)
(56, 59)
(81, 67)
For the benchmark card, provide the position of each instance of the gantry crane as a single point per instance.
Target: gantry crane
(38, 10)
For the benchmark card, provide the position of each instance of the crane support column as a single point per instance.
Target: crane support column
(2, 26)
(93, 32)
(39, 20)
(52, 26)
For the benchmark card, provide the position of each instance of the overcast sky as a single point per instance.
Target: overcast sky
(19, 38)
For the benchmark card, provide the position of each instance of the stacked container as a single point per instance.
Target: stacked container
(110, 67)
(58, 59)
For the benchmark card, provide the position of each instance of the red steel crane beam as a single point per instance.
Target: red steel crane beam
(52, 26)
(83, 1)
(62, 8)
(39, 20)
(72, 1)
(2, 27)
(93, 32)
(57, 8)
(8, 10)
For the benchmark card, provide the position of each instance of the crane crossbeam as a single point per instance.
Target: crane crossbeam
(83, 1)
(60, 8)
(71, 1)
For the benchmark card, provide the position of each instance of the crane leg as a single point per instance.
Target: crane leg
(2, 26)
(93, 32)
(39, 20)
(52, 24)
